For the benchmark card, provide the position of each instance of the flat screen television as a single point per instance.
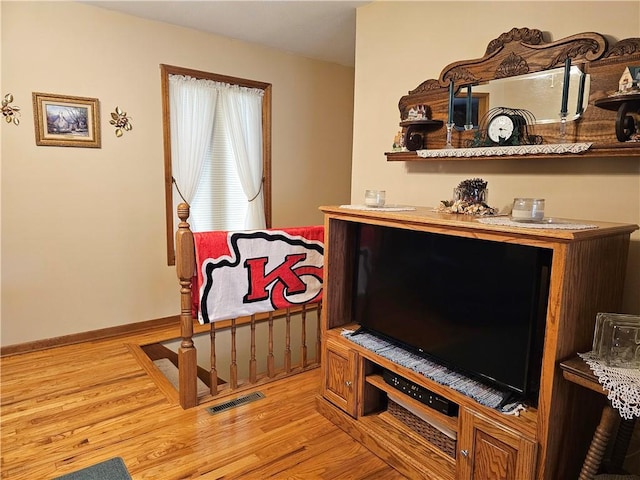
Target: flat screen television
(475, 306)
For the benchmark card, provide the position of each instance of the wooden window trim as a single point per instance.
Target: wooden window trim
(165, 71)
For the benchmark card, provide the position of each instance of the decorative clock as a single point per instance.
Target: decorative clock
(506, 126)
(503, 128)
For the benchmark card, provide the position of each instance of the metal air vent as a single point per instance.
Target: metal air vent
(252, 397)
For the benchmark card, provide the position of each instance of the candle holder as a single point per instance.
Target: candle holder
(468, 126)
(449, 134)
(563, 127)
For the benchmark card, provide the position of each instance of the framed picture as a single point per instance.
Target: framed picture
(65, 121)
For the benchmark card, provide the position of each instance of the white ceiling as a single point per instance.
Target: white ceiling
(324, 30)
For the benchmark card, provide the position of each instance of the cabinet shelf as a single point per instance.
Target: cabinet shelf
(409, 453)
(378, 382)
(397, 425)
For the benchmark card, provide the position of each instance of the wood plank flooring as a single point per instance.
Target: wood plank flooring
(69, 407)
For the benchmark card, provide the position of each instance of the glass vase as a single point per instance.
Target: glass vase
(475, 195)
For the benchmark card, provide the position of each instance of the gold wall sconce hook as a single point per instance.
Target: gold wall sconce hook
(121, 121)
(10, 112)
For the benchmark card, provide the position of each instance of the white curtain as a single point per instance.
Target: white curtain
(243, 112)
(192, 111)
(196, 105)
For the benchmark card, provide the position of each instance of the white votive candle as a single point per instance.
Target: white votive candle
(527, 210)
(374, 198)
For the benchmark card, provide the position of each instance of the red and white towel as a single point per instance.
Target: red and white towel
(243, 273)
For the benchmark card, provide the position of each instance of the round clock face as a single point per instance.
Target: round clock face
(500, 128)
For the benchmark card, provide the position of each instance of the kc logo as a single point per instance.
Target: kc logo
(285, 278)
(262, 271)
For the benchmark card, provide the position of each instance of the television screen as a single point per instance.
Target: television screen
(473, 305)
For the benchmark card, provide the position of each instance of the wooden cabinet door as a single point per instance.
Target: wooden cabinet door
(340, 372)
(489, 451)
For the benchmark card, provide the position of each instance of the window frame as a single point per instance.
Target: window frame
(165, 71)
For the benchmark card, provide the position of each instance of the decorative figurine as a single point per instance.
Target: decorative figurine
(630, 80)
(469, 198)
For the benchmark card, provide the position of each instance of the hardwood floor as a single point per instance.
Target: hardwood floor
(69, 407)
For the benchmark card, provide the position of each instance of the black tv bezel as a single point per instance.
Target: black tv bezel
(537, 329)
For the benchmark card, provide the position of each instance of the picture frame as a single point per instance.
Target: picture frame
(66, 121)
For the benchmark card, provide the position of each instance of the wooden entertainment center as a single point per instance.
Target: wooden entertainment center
(543, 443)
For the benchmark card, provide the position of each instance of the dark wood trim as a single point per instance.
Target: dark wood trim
(91, 335)
(243, 82)
(166, 137)
(266, 153)
(165, 71)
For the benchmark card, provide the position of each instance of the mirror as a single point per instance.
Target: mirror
(540, 93)
(522, 62)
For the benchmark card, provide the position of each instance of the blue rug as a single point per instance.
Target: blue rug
(112, 469)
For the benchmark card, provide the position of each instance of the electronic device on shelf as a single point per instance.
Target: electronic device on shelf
(475, 306)
(421, 394)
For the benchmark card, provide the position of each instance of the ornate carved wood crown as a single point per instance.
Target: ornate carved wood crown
(517, 52)
(524, 50)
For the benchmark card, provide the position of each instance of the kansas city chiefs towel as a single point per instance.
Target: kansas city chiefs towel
(242, 273)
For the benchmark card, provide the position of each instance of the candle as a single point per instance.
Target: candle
(579, 108)
(450, 117)
(469, 105)
(565, 87)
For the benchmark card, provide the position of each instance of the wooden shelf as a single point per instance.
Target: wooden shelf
(424, 122)
(406, 450)
(626, 149)
(406, 431)
(622, 104)
(378, 382)
(614, 102)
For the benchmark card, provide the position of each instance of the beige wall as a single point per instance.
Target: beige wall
(83, 236)
(401, 44)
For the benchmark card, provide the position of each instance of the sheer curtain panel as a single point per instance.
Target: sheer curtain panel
(217, 153)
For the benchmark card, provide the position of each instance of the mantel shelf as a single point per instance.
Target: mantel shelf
(512, 55)
(626, 149)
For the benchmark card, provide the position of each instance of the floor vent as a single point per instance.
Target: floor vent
(252, 397)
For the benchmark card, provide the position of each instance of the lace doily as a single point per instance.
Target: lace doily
(386, 208)
(556, 148)
(623, 385)
(547, 224)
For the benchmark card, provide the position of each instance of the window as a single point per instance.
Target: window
(217, 144)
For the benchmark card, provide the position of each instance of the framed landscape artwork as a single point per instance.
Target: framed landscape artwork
(66, 121)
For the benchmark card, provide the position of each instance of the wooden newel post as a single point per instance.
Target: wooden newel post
(187, 355)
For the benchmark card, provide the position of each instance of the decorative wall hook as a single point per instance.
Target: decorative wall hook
(120, 120)
(10, 112)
